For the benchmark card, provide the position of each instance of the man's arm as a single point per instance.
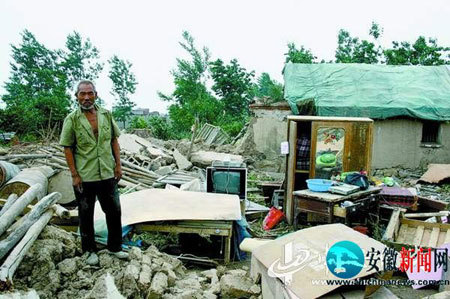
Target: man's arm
(116, 152)
(70, 159)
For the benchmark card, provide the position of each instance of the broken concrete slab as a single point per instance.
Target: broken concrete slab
(205, 158)
(135, 144)
(182, 162)
(105, 288)
(164, 170)
(436, 173)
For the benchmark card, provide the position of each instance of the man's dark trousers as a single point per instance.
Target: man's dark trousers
(108, 196)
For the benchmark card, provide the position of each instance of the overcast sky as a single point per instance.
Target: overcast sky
(255, 32)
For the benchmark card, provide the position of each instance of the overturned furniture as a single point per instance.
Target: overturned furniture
(404, 231)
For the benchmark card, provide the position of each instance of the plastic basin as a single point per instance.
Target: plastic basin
(319, 185)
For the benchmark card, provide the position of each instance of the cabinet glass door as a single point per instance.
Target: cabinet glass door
(329, 149)
(329, 152)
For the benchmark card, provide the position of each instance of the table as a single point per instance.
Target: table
(327, 204)
(222, 228)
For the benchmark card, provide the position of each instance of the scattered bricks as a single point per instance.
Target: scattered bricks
(237, 272)
(146, 260)
(145, 277)
(158, 286)
(106, 260)
(171, 278)
(104, 288)
(237, 286)
(128, 283)
(135, 254)
(188, 283)
(69, 266)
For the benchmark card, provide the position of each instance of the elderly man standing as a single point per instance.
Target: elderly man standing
(89, 136)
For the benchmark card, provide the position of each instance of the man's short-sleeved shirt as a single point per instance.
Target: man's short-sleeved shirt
(94, 158)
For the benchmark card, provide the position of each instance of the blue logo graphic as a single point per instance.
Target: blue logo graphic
(345, 259)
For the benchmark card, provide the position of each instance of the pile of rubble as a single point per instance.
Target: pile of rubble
(55, 268)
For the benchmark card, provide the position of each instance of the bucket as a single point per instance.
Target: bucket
(7, 172)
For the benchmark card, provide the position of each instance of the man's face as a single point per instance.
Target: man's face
(86, 96)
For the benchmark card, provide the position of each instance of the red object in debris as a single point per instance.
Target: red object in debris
(361, 229)
(273, 218)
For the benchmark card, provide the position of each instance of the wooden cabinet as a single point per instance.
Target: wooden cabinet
(320, 147)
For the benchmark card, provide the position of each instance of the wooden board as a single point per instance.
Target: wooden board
(423, 234)
(436, 173)
(163, 205)
(330, 197)
(316, 241)
(291, 166)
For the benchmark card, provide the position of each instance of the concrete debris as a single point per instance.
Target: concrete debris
(182, 162)
(158, 286)
(164, 170)
(32, 294)
(56, 269)
(104, 288)
(237, 285)
(205, 158)
(136, 145)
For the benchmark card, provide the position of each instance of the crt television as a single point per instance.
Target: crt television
(228, 178)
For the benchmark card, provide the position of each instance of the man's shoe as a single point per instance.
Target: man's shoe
(92, 259)
(120, 254)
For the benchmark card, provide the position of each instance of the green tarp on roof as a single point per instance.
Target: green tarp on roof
(375, 91)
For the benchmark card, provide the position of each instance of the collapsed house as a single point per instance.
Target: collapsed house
(409, 105)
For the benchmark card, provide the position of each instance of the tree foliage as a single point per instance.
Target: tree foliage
(124, 85)
(420, 52)
(301, 55)
(80, 60)
(353, 50)
(38, 90)
(224, 104)
(267, 87)
(234, 85)
(191, 98)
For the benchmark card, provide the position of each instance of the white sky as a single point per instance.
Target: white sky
(255, 32)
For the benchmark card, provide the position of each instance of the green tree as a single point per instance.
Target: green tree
(419, 53)
(36, 96)
(80, 60)
(353, 50)
(234, 85)
(124, 85)
(301, 55)
(138, 122)
(191, 98)
(161, 128)
(267, 87)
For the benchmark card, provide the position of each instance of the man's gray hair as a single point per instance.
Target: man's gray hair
(83, 82)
